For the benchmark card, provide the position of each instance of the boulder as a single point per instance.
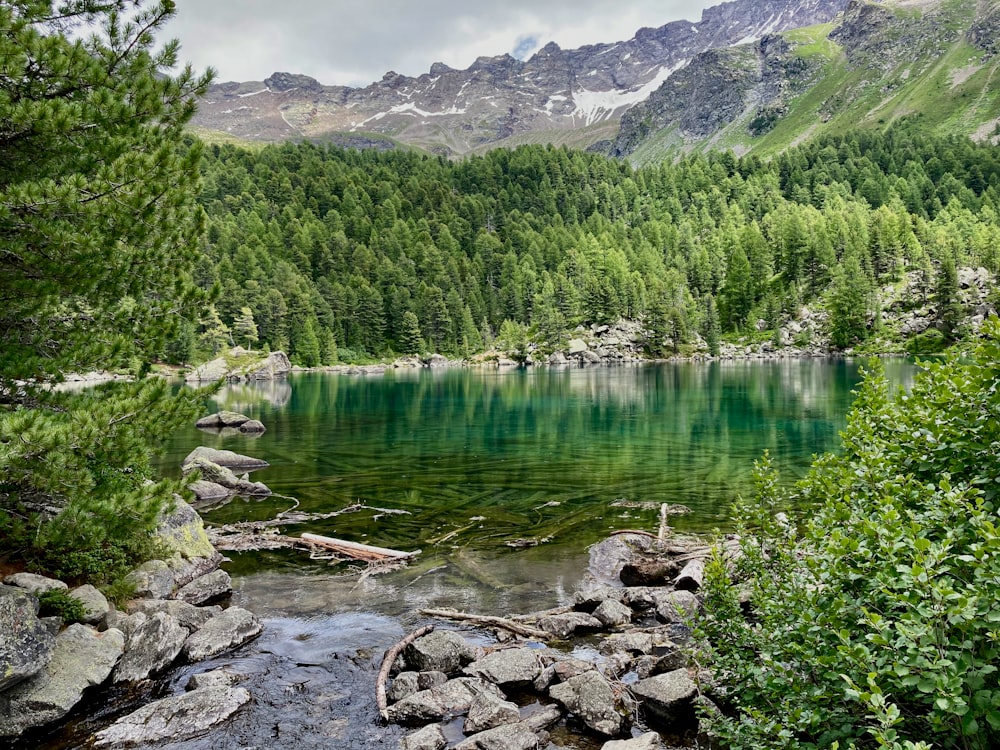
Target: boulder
(152, 580)
(26, 644)
(428, 738)
(667, 699)
(628, 643)
(577, 346)
(253, 427)
(210, 586)
(224, 476)
(276, 365)
(515, 667)
(175, 719)
(612, 614)
(677, 606)
(647, 741)
(487, 712)
(564, 625)
(595, 596)
(215, 679)
(440, 651)
(649, 572)
(82, 658)
(228, 459)
(403, 685)
(94, 603)
(222, 419)
(188, 616)
(34, 583)
(227, 630)
(207, 492)
(180, 533)
(560, 671)
(151, 645)
(510, 737)
(443, 701)
(216, 369)
(591, 699)
(557, 358)
(542, 718)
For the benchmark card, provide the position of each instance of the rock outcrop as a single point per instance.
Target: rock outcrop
(26, 645)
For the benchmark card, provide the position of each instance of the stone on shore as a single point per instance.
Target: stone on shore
(200, 590)
(231, 628)
(564, 625)
(648, 741)
(82, 658)
(668, 698)
(34, 583)
(428, 738)
(177, 718)
(94, 603)
(214, 679)
(181, 534)
(591, 698)
(152, 580)
(439, 651)
(26, 644)
(510, 737)
(151, 645)
(452, 698)
(487, 712)
(188, 616)
(677, 606)
(516, 667)
(612, 614)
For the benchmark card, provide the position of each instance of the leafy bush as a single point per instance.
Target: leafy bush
(875, 624)
(59, 602)
(929, 342)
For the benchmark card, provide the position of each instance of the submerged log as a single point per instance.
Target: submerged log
(357, 551)
(387, 661)
(518, 628)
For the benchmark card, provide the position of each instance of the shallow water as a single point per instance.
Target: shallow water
(476, 460)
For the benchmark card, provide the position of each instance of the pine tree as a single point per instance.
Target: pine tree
(713, 331)
(244, 327)
(215, 335)
(99, 235)
(410, 341)
(850, 299)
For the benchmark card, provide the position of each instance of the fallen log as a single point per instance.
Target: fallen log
(358, 551)
(691, 576)
(512, 626)
(387, 661)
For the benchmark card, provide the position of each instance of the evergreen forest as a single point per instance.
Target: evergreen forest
(336, 255)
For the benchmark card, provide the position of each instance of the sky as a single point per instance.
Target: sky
(355, 42)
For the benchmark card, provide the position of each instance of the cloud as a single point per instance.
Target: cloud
(525, 46)
(354, 42)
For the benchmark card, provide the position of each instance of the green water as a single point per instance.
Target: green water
(482, 459)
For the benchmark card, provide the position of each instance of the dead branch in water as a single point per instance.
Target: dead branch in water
(503, 623)
(387, 661)
(356, 550)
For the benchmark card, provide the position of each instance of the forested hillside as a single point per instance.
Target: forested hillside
(330, 253)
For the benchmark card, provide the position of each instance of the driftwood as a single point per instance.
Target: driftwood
(358, 551)
(518, 628)
(387, 661)
(691, 576)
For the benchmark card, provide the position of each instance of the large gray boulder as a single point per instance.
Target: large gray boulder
(152, 580)
(225, 477)
(208, 492)
(200, 590)
(677, 606)
(444, 701)
(439, 651)
(222, 419)
(228, 459)
(516, 667)
(82, 658)
(428, 738)
(34, 583)
(151, 644)
(488, 711)
(95, 604)
(188, 551)
(231, 628)
(667, 699)
(188, 616)
(612, 614)
(26, 645)
(276, 365)
(564, 625)
(510, 737)
(591, 698)
(177, 718)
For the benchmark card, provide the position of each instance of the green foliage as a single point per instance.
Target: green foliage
(58, 602)
(929, 342)
(119, 592)
(875, 624)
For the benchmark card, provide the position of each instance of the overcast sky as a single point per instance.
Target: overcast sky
(354, 42)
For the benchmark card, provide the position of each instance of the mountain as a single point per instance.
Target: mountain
(558, 96)
(931, 60)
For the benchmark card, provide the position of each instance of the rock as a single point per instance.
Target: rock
(181, 535)
(253, 427)
(543, 717)
(82, 658)
(591, 698)
(231, 628)
(206, 587)
(273, 366)
(276, 365)
(34, 583)
(217, 369)
(557, 358)
(403, 685)
(515, 667)
(222, 419)
(677, 606)
(668, 698)
(612, 614)
(227, 459)
(26, 644)
(562, 670)
(151, 645)
(591, 358)
(427, 680)
(177, 718)
(487, 712)
(429, 738)
(443, 701)
(577, 346)
(510, 737)
(188, 616)
(93, 601)
(648, 741)
(206, 492)
(217, 678)
(649, 572)
(152, 580)
(594, 597)
(628, 643)
(221, 475)
(564, 625)
(441, 651)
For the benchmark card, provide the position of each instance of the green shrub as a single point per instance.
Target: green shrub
(929, 342)
(59, 602)
(119, 592)
(876, 624)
